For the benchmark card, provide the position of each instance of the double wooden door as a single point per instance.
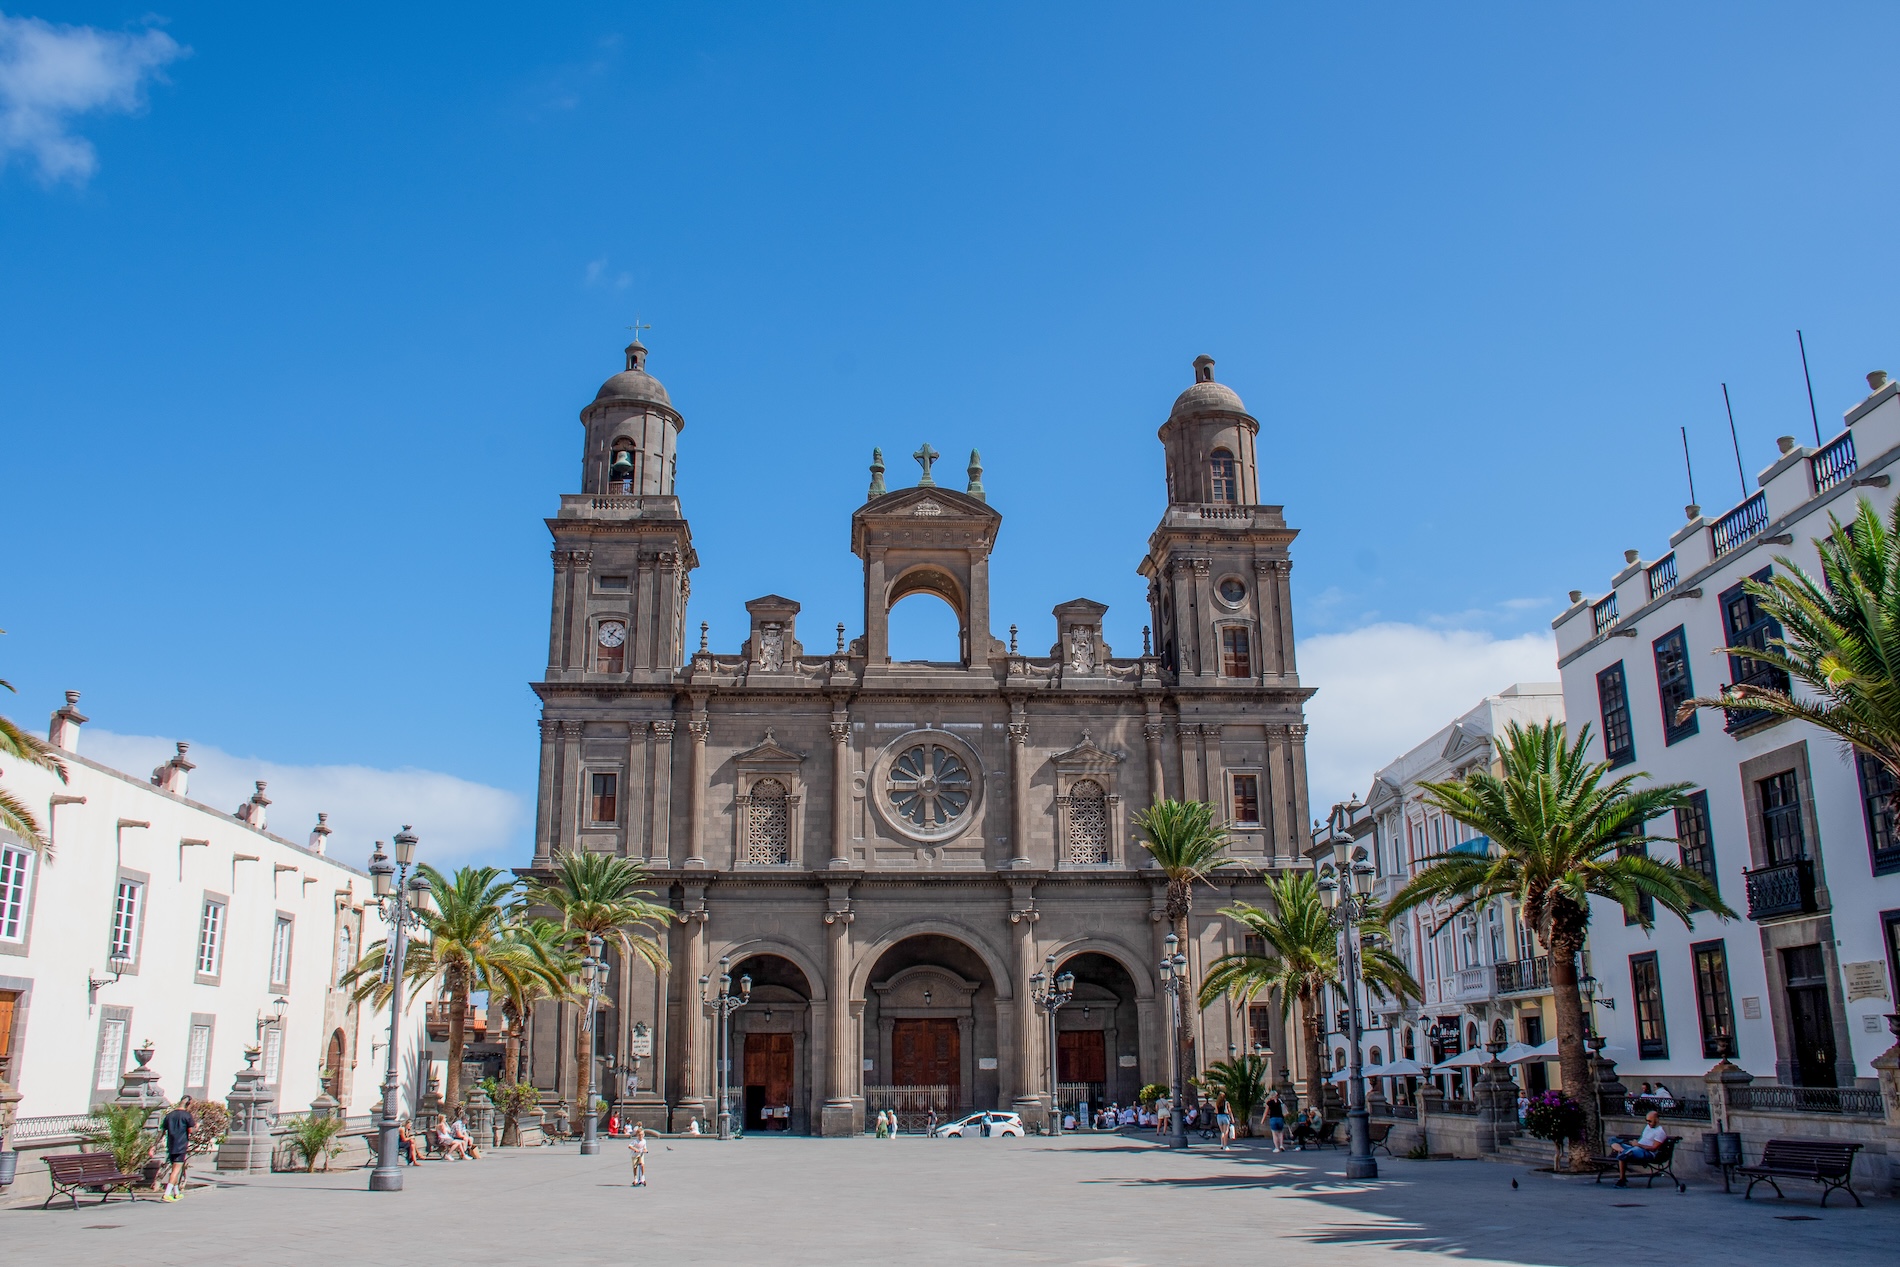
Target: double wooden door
(1081, 1056)
(926, 1052)
(768, 1081)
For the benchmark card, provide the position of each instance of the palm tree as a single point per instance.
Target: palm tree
(1560, 835)
(1187, 845)
(1840, 638)
(603, 895)
(18, 744)
(545, 970)
(465, 942)
(1300, 958)
(1243, 1080)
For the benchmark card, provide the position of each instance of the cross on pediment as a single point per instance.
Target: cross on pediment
(925, 456)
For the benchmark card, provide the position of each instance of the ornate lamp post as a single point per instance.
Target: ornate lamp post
(1050, 992)
(400, 899)
(1174, 982)
(593, 977)
(1345, 886)
(725, 1003)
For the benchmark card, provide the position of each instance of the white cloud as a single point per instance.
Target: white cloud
(50, 75)
(1385, 688)
(458, 821)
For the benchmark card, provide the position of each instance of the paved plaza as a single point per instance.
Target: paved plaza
(1088, 1200)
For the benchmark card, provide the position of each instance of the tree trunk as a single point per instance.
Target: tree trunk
(510, 1065)
(1315, 1052)
(458, 1039)
(1579, 1079)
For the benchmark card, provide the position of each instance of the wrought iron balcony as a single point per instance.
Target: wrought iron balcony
(1834, 463)
(1521, 976)
(1782, 888)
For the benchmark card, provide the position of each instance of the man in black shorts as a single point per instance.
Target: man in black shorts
(176, 1128)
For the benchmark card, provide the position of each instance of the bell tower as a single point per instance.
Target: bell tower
(1218, 564)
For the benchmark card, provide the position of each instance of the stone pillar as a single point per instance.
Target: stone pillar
(1029, 1061)
(1187, 739)
(1296, 778)
(580, 650)
(1497, 1106)
(544, 797)
(247, 1145)
(557, 617)
(568, 796)
(692, 1102)
(1207, 663)
(1019, 784)
(1157, 780)
(840, 788)
(839, 1116)
(140, 1083)
(1211, 790)
(1722, 1079)
(660, 808)
(1887, 1069)
(696, 789)
(634, 792)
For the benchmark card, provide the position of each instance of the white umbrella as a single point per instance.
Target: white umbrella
(1544, 1051)
(1517, 1053)
(1466, 1060)
(1400, 1068)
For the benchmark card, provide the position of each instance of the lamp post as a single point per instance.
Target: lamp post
(1174, 981)
(725, 1003)
(1051, 991)
(1345, 886)
(593, 974)
(400, 899)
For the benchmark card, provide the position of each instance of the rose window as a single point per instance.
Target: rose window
(929, 787)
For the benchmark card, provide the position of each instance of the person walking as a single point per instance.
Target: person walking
(1224, 1120)
(639, 1150)
(176, 1128)
(1276, 1121)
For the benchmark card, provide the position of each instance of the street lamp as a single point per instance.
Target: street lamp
(1174, 982)
(400, 900)
(593, 976)
(1345, 886)
(1051, 991)
(725, 1003)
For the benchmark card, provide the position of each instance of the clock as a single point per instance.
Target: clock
(612, 633)
(1232, 590)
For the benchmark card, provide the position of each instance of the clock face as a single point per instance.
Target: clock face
(612, 633)
(1232, 590)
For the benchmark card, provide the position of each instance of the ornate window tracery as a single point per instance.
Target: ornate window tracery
(930, 786)
(769, 831)
(1088, 823)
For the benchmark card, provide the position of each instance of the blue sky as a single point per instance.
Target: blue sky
(299, 308)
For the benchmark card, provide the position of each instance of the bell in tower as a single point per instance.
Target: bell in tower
(1209, 437)
(632, 433)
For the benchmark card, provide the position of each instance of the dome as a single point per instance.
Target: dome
(634, 383)
(1207, 395)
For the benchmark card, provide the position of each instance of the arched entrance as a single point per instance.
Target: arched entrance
(930, 1030)
(1098, 1035)
(333, 1059)
(771, 1047)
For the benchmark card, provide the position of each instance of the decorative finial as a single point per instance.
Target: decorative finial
(841, 637)
(877, 475)
(636, 351)
(1012, 640)
(1145, 649)
(925, 456)
(976, 476)
(703, 627)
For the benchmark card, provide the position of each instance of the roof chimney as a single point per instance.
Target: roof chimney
(63, 732)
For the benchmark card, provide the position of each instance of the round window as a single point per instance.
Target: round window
(1233, 590)
(928, 786)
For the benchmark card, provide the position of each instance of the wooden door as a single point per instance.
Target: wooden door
(768, 1068)
(1081, 1056)
(926, 1053)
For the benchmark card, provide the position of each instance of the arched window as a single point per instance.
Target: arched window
(1223, 477)
(1088, 823)
(1378, 1057)
(769, 834)
(623, 469)
(1471, 1036)
(1339, 1057)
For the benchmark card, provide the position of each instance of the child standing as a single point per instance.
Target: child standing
(639, 1150)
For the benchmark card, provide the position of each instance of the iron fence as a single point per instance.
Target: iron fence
(1662, 576)
(1740, 525)
(1845, 1101)
(1785, 888)
(1834, 463)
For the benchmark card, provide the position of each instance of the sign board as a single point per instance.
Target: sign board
(986, 1062)
(642, 1044)
(869, 1065)
(1865, 980)
(1126, 1062)
(1751, 1008)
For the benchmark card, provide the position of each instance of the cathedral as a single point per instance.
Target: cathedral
(889, 850)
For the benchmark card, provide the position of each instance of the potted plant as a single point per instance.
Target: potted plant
(314, 1138)
(120, 1130)
(1558, 1118)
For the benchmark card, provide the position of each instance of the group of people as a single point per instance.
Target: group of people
(886, 1123)
(451, 1136)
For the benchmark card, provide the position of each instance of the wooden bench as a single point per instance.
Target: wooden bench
(1663, 1163)
(91, 1172)
(1378, 1135)
(1827, 1162)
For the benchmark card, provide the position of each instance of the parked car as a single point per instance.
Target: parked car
(1000, 1124)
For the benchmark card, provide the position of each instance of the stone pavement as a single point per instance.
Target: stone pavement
(1082, 1199)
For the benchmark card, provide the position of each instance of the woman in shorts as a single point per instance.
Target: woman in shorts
(639, 1150)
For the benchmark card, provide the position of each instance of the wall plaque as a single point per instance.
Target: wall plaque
(986, 1062)
(1865, 980)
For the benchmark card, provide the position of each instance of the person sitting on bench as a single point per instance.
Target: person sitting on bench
(452, 1148)
(1306, 1129)
(1643, 1148)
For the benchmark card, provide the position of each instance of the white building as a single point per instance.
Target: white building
(1475, 968)
(155, 920)
(1794, 832)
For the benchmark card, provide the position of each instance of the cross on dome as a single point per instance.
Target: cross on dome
(925, 456)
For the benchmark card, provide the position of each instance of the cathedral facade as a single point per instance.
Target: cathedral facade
(889, 850)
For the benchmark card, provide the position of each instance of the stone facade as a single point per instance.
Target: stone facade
(889, 849)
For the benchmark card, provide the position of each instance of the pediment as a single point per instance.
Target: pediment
(1463, 740)
(1085, 756)
(931, 502)
(1384, 792)
(768, 752)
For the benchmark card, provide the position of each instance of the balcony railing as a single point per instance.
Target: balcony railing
(1782, 888)
(1604, 613)
(1834, 463)
(1519, 976)
(1662, 576)
(1690, 1110)
(436, 1018)
(1739, 525)
(1846, 1101)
